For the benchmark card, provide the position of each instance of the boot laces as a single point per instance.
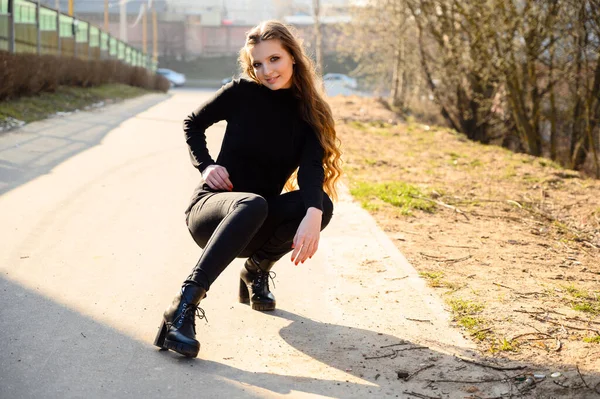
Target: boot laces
(262, 278)
(189, 314)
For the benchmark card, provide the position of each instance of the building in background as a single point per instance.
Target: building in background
(188, 29)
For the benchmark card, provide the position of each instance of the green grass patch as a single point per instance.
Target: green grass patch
(400, 195)
(436, 280)
(583, 301)
(373, 127)
(504, 345)
(576, 292)
(462, 307)
(547, 163)
(465, 313)
(65, 99)
(592, 340)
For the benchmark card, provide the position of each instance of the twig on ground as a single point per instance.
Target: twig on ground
(550, 311)
(420, 395)
(528, 311)
(418, 371)
(492, 366)
(474, 381)
(582, 320)
(580, 376)
(389, 346)
(515, 203)
(397, 278)
(482, 330)
(382, 356)
(441, 259)
(558, 343)
(524, 294)
(421, 320)
(566, 325)
(504, 286)
(459, 246)
(440, 203)
(395, 353)
(560, 384)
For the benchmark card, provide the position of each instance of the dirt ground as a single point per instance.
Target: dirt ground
(511, 241)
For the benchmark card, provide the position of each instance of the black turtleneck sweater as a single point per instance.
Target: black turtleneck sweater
(265, 141)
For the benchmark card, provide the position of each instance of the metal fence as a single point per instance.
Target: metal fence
(26, 27)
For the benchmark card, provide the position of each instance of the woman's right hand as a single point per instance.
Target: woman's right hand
(217, 178)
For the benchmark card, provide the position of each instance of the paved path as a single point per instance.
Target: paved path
(93, 246)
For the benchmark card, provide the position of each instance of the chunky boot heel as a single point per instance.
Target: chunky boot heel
(244, 295)
(186, 349)
(160, 336)
(178, 329)
(254, 285)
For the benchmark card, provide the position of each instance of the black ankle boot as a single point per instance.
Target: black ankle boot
(254, 278)
(178, 329)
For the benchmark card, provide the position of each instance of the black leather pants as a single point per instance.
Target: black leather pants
(231, 224)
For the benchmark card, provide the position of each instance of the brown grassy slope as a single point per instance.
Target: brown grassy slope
(512, 241)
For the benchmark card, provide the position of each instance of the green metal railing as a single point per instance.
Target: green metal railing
(25, 29)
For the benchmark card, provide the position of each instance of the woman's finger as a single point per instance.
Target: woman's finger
(313, 249)
(297, 246)
(224, 176)
(220, 183)
(303, 255)
(210, 183)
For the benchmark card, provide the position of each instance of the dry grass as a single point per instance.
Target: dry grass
(514, 233)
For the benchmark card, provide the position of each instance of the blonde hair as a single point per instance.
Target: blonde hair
(314, 109)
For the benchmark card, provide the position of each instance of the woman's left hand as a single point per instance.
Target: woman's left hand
(306, 240)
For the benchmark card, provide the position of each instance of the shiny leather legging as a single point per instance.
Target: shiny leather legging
(230, 224)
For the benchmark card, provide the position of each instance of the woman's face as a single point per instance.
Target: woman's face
(272, 64)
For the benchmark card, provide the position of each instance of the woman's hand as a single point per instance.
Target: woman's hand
(306, 240)
(217, 178)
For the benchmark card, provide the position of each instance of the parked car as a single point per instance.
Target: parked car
(176, 78)
(226, 80)
(341, 78)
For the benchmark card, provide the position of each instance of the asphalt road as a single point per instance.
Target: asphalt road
(93, 247)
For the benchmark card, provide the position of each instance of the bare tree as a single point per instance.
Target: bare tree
(525, 74)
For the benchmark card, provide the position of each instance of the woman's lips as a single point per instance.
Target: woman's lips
(272, 80)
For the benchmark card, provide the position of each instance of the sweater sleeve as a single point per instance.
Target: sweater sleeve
(311, 173)
(216, 109)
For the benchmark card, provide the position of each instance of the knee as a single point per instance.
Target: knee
(255, 205)
(327, 210)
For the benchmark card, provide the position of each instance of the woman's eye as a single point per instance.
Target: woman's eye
(255, 65)
(273, 59)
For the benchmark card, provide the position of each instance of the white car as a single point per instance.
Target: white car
(341, 78)
(176, 79)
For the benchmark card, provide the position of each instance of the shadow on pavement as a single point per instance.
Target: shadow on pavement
(35, 149)
(51, 351)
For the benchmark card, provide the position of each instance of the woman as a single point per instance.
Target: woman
(279, 129)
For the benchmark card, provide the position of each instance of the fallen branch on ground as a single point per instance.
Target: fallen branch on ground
(501, 368)
(439, 258)
(420, 395)
(418, 371)
(440, 203)
(566, 325)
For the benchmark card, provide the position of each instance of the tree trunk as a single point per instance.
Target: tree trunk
(579, 140)
(398, 74)
(318, 37)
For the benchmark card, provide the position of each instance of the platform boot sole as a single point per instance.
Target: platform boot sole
(179, 347)
(244, 297)
(183, 349)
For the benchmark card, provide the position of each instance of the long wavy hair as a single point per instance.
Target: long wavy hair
(313, 107)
